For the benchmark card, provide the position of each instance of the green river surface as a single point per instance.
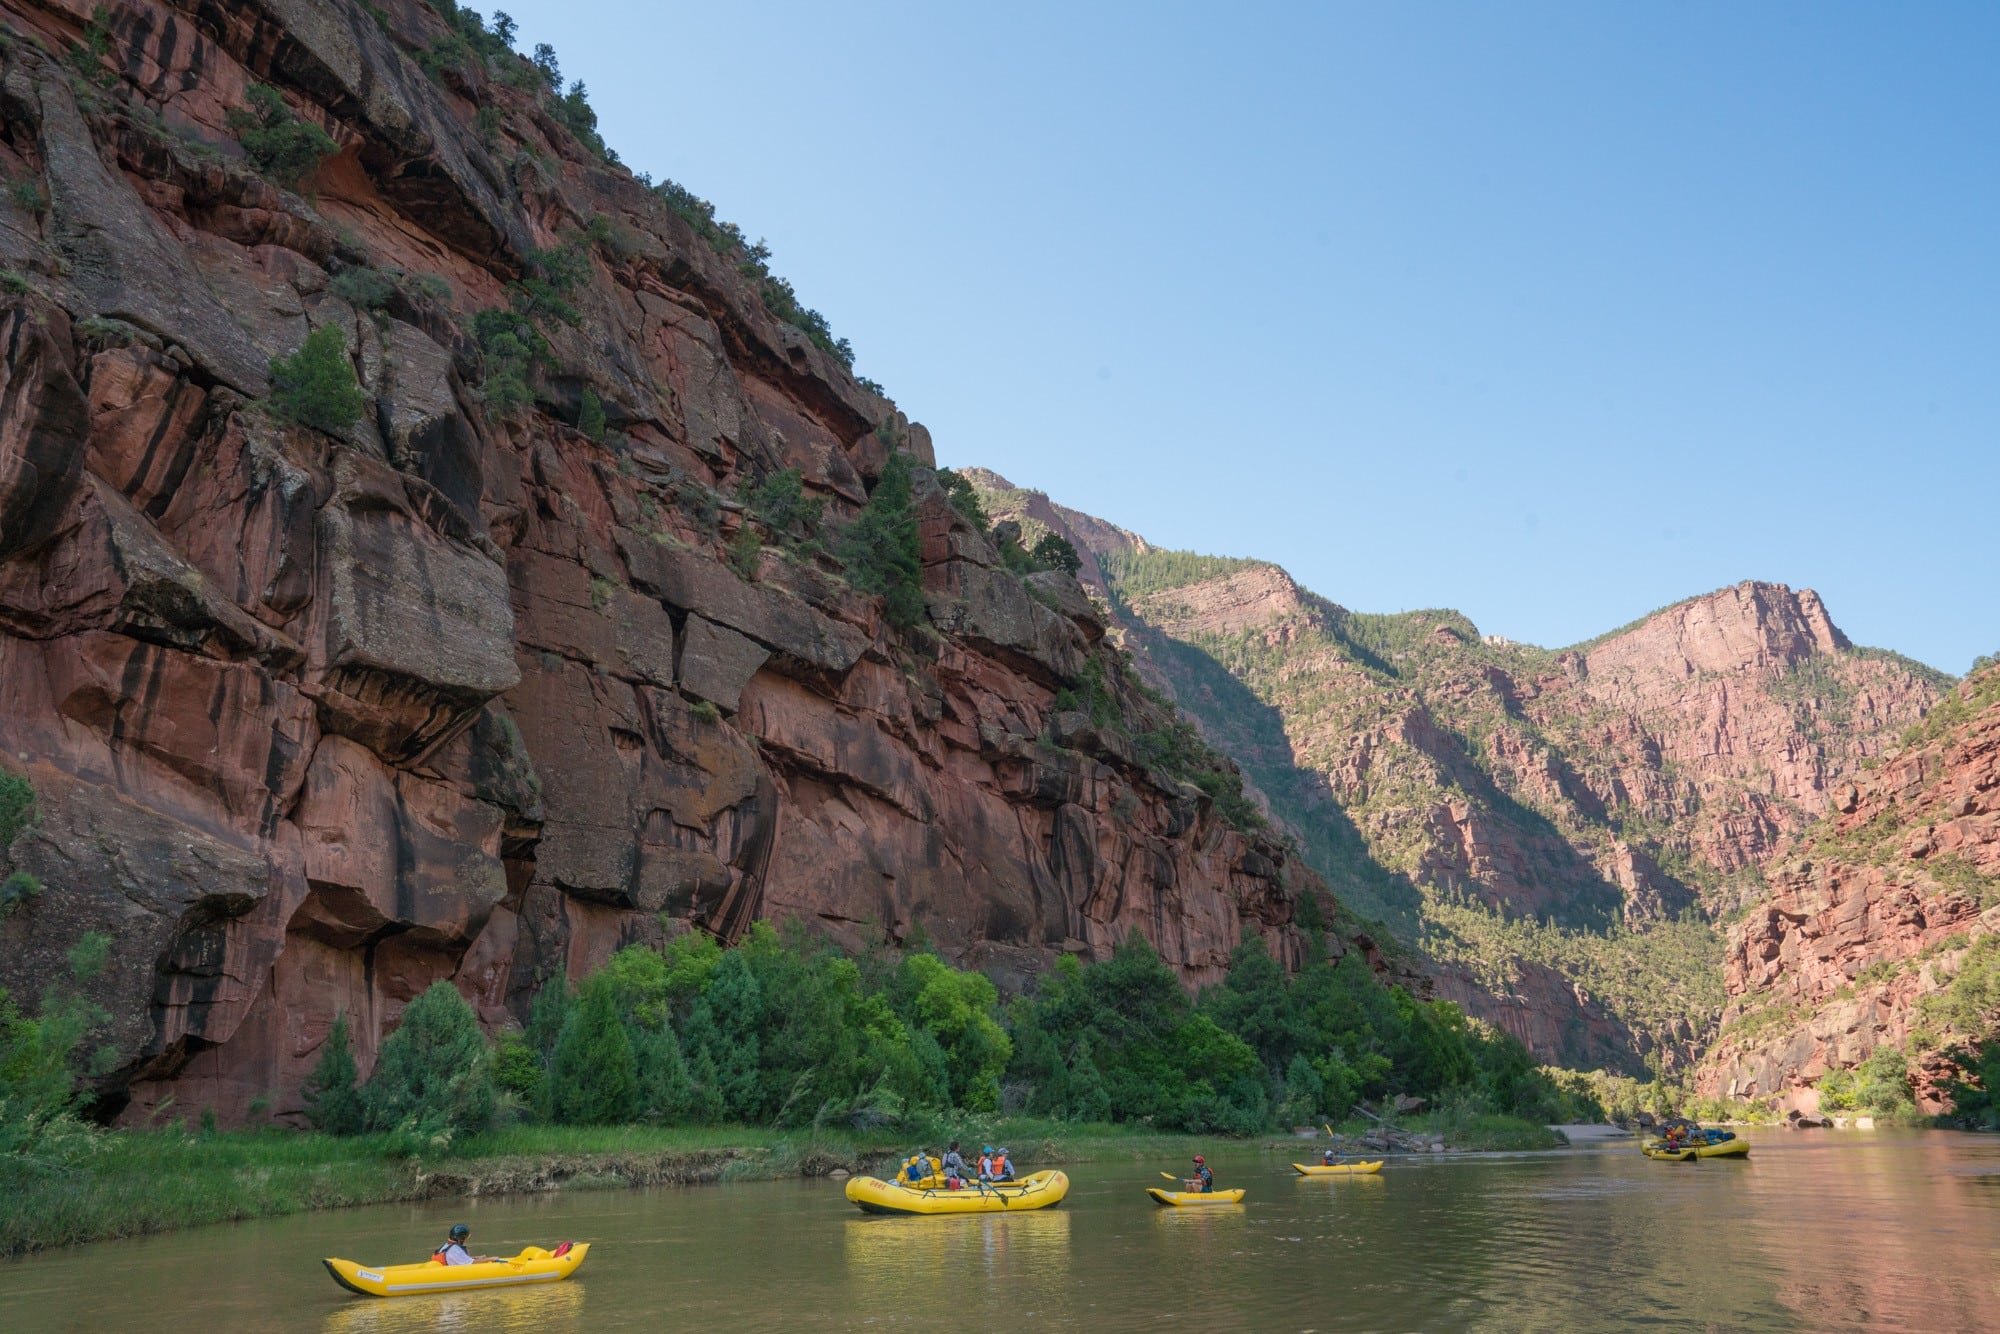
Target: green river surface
(1815, 1230)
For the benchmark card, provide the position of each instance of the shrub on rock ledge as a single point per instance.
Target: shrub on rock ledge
(282, 146)
(315, 386)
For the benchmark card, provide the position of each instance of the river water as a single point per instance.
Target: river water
(1814, 1231)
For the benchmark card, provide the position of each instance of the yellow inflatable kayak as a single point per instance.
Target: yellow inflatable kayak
(1178, 1197)
(534, 1265)
(887, 1197)
(1336, 1169)
(1729, 1148)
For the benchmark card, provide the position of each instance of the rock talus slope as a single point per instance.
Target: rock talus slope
(469, 689)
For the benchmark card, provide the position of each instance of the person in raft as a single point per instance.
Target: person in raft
(1003, 1166)
(1203, 1180)
(955, 1171)
(986, 1170)
(453, 1252)
(1326, 1158)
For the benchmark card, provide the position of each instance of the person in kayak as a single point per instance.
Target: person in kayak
(453, 1252)
(954, 1168)
(1003, 1166)
(1326, 1158)
(1203, 1180)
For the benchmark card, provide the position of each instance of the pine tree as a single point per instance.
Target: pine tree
(881, 550)
(722, 1033)
(666, 1089)
(332, 1091)
(593, 1079)
(434, 1074)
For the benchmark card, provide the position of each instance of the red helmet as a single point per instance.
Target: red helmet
(1198, 1158)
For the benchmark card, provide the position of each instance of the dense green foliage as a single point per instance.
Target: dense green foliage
(331, 1092)
(781, 1031)
(281, 145)
(38, 1096)
(41, 1065)
(315, 386)
(784, 1030)
(880, 548)
(433, 1076)
(1119, 1040)
(1880, 1084)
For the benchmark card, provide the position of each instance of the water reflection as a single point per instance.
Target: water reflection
(972, 1271)
(558, 1306)
(894, 1253)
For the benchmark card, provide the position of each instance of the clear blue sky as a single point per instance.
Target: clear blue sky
(1553, 313)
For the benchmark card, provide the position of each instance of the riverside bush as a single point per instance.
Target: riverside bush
(1880, 1084)
(331, 1093)
(434, 1074)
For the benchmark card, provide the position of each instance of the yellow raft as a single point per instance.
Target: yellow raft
(533, 1265)
(1039, 1191)
(1336, 1169)
(1729, 1148)
(1181, 1197)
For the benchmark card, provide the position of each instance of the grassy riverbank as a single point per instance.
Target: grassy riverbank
(138, 1182)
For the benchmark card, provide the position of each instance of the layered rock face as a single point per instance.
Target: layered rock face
(466, 690)
(1451, 784)
(1869, 912)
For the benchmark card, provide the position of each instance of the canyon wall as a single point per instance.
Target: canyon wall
(1870, 912)
(502, 675)
(1552, 830)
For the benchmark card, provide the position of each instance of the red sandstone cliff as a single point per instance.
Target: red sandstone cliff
(1869, 912)
(315, 720)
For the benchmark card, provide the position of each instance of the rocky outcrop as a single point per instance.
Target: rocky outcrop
(1869, 912)
(463, 689)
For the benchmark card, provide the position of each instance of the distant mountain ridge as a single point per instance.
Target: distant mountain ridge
(1555, 830)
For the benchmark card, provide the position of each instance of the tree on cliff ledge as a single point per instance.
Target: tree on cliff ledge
(880, 549)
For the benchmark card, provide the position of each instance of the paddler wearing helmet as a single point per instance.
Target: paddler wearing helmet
(453, 1252)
